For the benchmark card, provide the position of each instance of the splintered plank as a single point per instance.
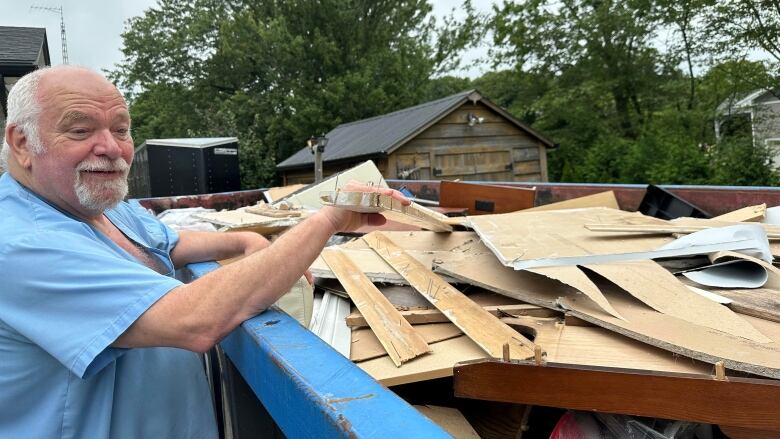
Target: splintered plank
(392, 209)
(397, 336)
(485, 329)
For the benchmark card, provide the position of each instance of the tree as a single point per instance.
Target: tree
(275, 72)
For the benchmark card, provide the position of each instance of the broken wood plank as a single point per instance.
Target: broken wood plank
(366, 345)
(423, 316)
(392, 209)
(277, 193)
(482, 327)
(741, 402)
(309, 197)
(397, 336)
(265, 210)
(601, 199)
(749, 213)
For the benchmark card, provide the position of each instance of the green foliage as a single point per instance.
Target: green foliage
(273, 73)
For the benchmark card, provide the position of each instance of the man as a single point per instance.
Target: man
(96, 338)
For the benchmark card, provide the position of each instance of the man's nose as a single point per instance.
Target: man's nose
(107, 145)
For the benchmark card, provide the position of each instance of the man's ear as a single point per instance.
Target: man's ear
(20, 147)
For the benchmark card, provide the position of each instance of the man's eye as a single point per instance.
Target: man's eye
(79, 131)
(123, 132)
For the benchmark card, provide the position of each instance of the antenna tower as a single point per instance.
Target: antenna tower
(62, 28)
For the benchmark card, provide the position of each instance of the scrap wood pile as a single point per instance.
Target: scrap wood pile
(639, 314)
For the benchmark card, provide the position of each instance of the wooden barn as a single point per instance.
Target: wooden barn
(463, 136)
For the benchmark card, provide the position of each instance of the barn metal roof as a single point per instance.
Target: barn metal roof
(383, 134)
(21, 45)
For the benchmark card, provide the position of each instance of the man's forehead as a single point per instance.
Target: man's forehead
(73, 87)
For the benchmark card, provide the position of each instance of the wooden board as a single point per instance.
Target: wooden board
(601, 199)
(277, 193)
(395, 334)
(309, 197)
(574, 277)
(422, 316)
(366, 345)
(642, 323)
(749, 213)
(662, 291)
(451, 420)
(763, 303)
(482, 327)
(392, 209)
(740, 402)
(772, 232)
(482, 198)
(371, 265)
(240, 219)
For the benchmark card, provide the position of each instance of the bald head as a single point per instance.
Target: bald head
(32, 92)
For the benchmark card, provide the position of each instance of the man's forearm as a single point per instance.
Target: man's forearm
(197, 246)
(199, 314)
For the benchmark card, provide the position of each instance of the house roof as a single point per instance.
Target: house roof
(20, 46)
(193, 142)
(381, 135)
(742, 103)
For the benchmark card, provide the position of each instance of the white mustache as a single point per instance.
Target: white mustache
(104, 165)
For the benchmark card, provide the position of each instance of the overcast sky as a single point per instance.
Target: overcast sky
(94, 27)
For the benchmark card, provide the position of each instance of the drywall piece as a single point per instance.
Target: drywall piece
(660, 290)
(485, 329)
(392, 209)
(397, 336)
(277, 193)
(328, 322)
(451, 420)
(366, 345)
(309, 197)
(749, 213)
(240, 219)
(574, 277)
(424, 316)
(642, 323)
(601, 199)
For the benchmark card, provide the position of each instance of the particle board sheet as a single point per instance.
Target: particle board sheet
(662, 291)
(366, 345)
(529, 236)
(642, 323)
(763, 303)
(749, 213)
(574, 277)
(277, 193)
(400, 340)
(392, 209)
(601, 199)
(561, 343)
(482, 327)
(485, 198)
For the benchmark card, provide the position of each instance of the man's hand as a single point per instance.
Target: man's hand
(344, 220)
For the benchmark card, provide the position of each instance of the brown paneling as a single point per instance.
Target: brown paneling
(413, 166)
(502, 142)
(445, 131)
(739, 402)
(523, 154)
(481, 199)
(523, 168)
(461, 115)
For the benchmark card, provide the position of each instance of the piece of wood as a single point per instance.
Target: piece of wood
(749, 213)
(763, 303)
(309, 197)
(451, 420)
(574, 277)
(662, 291)
(240, 219)
(265, 210)
(366, 345)
(601, 199)
(371, 265)
(392, 209)
(482, 327)
(397, 336)
(642, 323)
(277, 193)
(423, 316)
(772, 232)
(741, 402)
(482, 198)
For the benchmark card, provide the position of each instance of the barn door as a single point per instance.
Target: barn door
(476, 164)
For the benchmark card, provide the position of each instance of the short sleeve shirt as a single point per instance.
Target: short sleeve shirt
(66, 293)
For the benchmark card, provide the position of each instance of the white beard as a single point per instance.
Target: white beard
(102, 195)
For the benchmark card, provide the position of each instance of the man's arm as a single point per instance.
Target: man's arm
(196, 316)
(214, 246)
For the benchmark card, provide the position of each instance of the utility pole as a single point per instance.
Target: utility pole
(62, 29)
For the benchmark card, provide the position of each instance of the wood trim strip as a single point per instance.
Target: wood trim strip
(397, 336)
(739, 402)
(485, 329)
(423, 316)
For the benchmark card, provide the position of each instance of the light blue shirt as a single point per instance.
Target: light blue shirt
(66, 293)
